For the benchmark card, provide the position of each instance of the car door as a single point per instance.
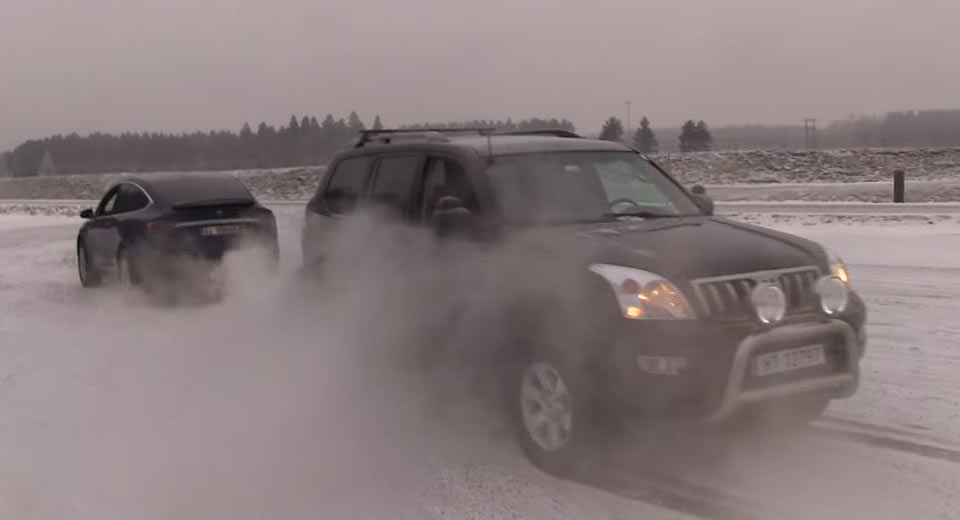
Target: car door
(336, 197)
(111, 224)
(445, 177)
(97, 236)
(394, 189)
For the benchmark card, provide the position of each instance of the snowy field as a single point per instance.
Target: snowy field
(272, 404)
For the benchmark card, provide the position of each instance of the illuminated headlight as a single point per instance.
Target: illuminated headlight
(769, 303)
(838, 269)
(644, 295)
(834, 295)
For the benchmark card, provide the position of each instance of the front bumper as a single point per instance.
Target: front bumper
(716, 379)
(841, 382)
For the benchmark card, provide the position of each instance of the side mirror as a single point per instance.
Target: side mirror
(451, 217)
(86, 214)
(703, 201)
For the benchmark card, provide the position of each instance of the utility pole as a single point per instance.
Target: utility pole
(627, 133)
(810, 133)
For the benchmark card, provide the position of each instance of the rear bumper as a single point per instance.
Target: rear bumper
(716, 380)
(186, 257)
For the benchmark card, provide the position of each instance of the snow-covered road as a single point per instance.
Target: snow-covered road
(266, 406)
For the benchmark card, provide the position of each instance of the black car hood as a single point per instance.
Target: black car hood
(695, 247)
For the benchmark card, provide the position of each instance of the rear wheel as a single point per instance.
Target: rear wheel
(89, 276)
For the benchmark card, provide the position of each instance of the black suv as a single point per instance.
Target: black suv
(653, 306)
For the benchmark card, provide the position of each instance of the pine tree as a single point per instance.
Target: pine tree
(612, 130)
(377, 124)
(688, 136)
(704, 139)
(644, 139)
(695, 137)
(354, 124)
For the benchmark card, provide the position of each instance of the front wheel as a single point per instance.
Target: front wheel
(552, 418)
(89, 276)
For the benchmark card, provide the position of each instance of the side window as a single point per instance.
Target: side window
(445, 178)
(393, 186)
(108, 203)
(346, 183)
(130, 198)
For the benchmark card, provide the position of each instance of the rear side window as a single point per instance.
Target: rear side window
(346, 183)
(445, 178)
(130, 198)
(393, 187)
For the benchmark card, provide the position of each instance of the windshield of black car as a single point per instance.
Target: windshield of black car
(584, 186)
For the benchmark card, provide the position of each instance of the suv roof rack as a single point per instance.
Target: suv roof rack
(367, 135)
(555, 132)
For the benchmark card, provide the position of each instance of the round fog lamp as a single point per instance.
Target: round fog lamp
(769, 303)
(834, 295)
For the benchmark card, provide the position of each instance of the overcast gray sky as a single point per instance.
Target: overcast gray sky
(183, 65)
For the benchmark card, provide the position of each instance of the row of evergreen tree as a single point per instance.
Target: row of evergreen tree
(301, 142)
(694, 136)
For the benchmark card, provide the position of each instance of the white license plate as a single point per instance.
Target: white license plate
(788, 360)
(212, 231)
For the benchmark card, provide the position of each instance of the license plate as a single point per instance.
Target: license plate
(788, 360)
(212, 231)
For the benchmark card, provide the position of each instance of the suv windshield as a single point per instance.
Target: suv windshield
(563, 187)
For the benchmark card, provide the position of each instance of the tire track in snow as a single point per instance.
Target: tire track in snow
(881, 437)
(678, 495)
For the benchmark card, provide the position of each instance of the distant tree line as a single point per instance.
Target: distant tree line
(301, 142)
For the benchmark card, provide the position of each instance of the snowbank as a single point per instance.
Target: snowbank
(932, 175)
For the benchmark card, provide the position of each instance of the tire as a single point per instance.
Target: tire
(552, 415)
(89, 276)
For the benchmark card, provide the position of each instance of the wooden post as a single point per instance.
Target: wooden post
(899, 186)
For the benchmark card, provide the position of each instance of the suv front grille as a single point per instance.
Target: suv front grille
(727, 298)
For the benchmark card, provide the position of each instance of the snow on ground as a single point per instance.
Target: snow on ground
(273, 404)
(946, 190)
(19, 221)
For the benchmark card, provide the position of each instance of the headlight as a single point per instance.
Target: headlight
(643, 295)
(837, 268)
(834, 295)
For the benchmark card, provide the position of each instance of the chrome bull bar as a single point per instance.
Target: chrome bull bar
(847, 381)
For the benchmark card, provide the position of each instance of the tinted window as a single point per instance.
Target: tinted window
(193, 189)
(131, 198)
(346, 183)
(108, 202)
(445, 178)
(394, 183)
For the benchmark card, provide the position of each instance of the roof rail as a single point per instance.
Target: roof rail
(555, 132)
(367, 135)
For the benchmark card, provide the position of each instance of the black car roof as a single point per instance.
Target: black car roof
(186, 188)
